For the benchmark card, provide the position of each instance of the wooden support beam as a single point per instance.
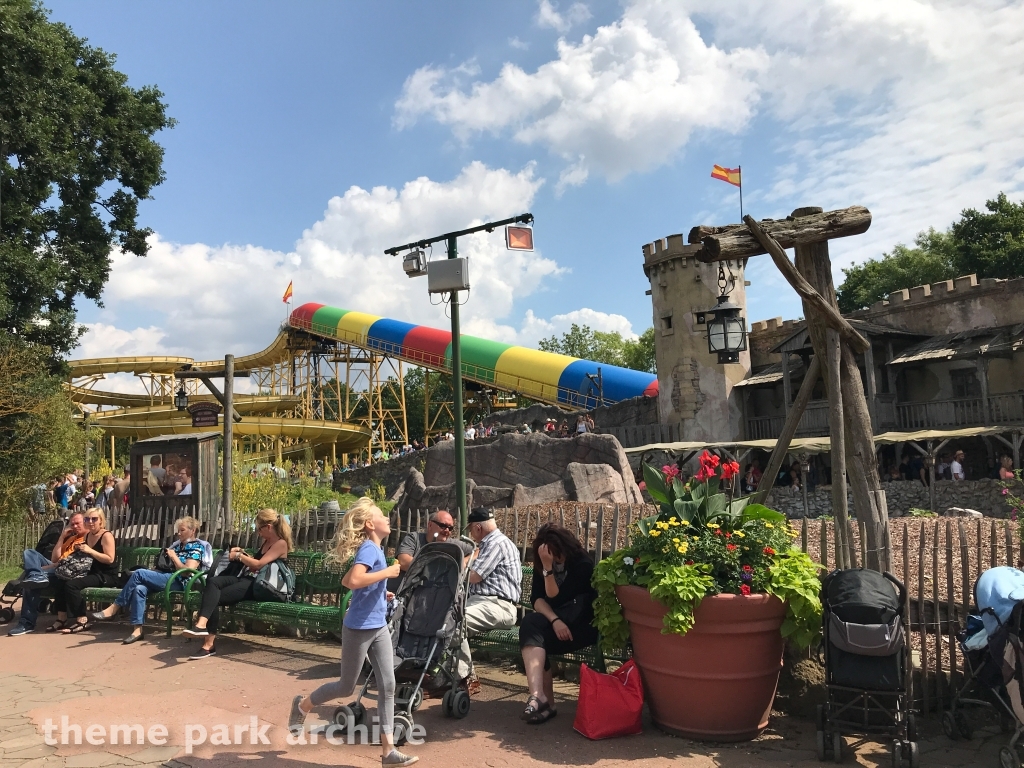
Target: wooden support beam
(796, 411)
(827, 311)
(737, 242)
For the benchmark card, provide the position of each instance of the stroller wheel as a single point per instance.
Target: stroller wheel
(912, 754)
(819, 717)
(446, 703)
(6, 615)
(911, 728)
(417, 699)
(949, 726)
(343, 716)
(403, 728)
(1008, 758)
(897, 754)
(460, 704)
(964, 726)
(820, 744)
(359, 712)
(837, 747)
(411, 694)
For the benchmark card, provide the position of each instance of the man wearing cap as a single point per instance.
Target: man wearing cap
(495, 582)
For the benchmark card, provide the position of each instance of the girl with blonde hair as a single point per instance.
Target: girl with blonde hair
(236, 583)
(364, 631)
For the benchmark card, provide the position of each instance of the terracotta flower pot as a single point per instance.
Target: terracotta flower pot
(717, 682)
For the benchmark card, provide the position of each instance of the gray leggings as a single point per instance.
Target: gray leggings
(356, 645)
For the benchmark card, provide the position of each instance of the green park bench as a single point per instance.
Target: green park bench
(318, 604)
(504, 643)
(129, 558)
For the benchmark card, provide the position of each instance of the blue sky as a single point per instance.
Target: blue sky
(312, 135)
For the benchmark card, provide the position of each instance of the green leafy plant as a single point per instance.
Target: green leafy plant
(916, 512)
(704, 543)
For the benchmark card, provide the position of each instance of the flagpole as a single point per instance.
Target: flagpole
(740, 169)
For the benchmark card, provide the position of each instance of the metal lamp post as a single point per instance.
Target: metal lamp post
(451, 278)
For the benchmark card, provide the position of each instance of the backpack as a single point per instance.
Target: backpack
(275, 583)
(49, 538)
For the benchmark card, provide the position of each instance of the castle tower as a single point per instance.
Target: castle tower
(695, 391)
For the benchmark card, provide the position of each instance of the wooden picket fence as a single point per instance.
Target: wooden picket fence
(938, 560)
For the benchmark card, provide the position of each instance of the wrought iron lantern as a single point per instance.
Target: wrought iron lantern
(727, 328)
(181, 398)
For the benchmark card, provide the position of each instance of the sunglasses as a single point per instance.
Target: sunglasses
(90, 519)
(443, 526)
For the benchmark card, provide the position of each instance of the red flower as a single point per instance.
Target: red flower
(642, 485)
(744, 589)
(689, 562)
(769, 551)
(747, 568)
(703, 474)
(718, 531)
(729, 470)
(728, 535)
(730, 547)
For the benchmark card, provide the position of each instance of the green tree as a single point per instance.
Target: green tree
(986, 244)
(76, 156)
(604, 347)
(38, 435)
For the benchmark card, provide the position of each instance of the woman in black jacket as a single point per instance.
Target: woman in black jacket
(562, 617)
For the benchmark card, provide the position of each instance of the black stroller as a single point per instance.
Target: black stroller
(427, 630)
(12, 590)
(867, 664)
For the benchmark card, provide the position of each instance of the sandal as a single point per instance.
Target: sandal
(542, 716)
(57, 625)
(534, 706)
(75, 628)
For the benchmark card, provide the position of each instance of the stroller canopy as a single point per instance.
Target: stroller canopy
(998, 589)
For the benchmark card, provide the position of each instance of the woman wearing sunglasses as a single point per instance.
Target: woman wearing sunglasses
(235, 584)
(99, 546)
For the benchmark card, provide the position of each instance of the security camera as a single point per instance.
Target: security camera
(415, 263)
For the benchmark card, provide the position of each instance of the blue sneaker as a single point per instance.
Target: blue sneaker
(21, 629)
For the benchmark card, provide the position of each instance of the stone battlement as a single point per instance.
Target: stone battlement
(774, 324)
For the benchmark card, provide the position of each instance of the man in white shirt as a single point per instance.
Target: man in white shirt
(470, 432)
(957, 467)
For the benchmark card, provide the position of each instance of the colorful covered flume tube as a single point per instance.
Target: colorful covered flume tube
(539, 375)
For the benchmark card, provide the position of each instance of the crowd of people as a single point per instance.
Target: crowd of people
(84, 554)
(73, 491)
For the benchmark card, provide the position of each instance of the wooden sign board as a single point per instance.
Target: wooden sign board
(204, 414)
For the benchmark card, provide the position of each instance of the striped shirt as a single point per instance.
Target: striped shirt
(499, 567)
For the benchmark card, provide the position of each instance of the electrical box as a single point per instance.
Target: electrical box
(447, 275)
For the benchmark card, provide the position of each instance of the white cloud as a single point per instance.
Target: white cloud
(626, 98)
(907, 106)
(548, 16)
(519, 45)
(213, 300)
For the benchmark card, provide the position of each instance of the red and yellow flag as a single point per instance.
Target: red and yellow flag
(287, 293)
(728, 175)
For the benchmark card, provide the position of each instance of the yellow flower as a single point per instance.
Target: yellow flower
(675, 540)
(712, 525)
(655, 533)
(741, 534)
(768, 525)
(683, 547)
(673, 521)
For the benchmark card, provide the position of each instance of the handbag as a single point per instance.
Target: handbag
(610, 705)
(275, 583)
(163, 563)
(74, 566)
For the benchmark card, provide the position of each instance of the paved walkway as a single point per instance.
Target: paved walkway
(92, 680)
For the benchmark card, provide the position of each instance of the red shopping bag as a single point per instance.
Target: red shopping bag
(610, 705)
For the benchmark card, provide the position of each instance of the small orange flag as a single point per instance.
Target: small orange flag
(287, 293)
(728, 175)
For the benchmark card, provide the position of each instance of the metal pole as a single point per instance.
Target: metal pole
(460, 431)
(229, 422)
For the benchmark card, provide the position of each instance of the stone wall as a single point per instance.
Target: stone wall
(633, 412)
(985, 496)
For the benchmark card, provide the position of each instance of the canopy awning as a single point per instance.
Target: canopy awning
(769, 375)
(824, 444)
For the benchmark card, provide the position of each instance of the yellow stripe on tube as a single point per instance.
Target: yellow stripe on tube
(353, 326)
(531, 372)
